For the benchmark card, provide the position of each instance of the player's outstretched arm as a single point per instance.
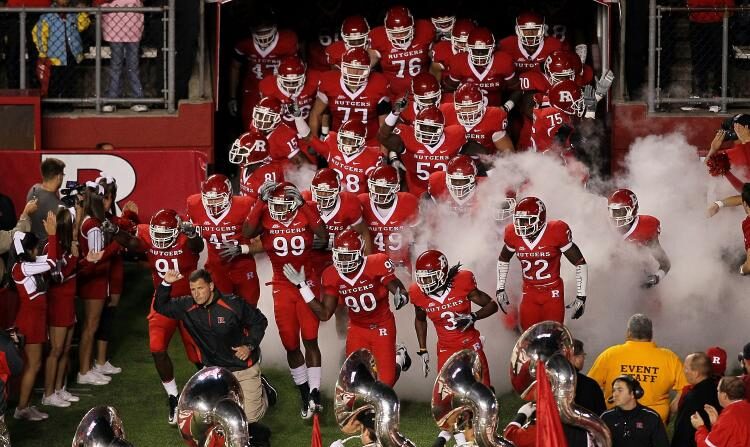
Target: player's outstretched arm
(324, 309)
(574, 255)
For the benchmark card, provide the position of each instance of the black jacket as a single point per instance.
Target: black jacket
(639, 427)
(227, 322)
(702, 393)
(10, 361)
(589, 394)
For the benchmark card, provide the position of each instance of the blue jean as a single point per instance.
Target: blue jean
(126, 53)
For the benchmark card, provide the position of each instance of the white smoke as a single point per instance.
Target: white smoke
(696, 306)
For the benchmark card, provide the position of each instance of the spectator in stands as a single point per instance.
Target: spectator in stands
(745, 363)
(705, 46)
(588, 393)
(659, 370)
(12, 31)
(123, 31)
(47, 194)
(699, 374)
(732, 428)
(58, 41)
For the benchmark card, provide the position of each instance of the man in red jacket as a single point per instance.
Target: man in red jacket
(732, 428)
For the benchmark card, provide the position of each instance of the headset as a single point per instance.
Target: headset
(633, 385)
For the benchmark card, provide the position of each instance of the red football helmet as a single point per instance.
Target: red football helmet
(383, 184)
(460, 34)
(281, 205)
(267, 114)
(530, 28)
(431, 271)
(399, 26)
(351, 137)
(250, 148)
(468, 101)
(566, 96)
(559, 67)
(348, 251)
(264, 33)
(443, 25)
(506, 206)
(216, 194)
(481, 45)
(461, 176)
(623, 207)
(428, 125)
(355, 67)
(291, 75)
(426, 90)
(529, 216)
(325, 188)
(164, 228)
(355, 32)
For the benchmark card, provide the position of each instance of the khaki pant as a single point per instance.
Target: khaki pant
(252, 390)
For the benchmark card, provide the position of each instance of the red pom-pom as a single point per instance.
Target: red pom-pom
(718, 164)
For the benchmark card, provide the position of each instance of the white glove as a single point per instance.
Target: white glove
(425, 356)
(394, 161)
(293, 275)
(265, 190)
(527, 409)
(294, 109)
(400, 299)
(234, 107)
(502, 300)
(582, 51)
(604, 83)
(578, 306)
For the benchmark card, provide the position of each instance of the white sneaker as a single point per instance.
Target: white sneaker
(90, 378)
(53, 400)
(26, 414)
(65, 394)
(139, 108)
(107, 368)
(38, 413)
(101, 376)
(108, 108)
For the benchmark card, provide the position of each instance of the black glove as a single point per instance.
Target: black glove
(188, 229)
(109, 227)
(465, 321)
(266, 189)
(229, 250)
(578, 306)
(651, 281)
(400, 105)
(294, 109)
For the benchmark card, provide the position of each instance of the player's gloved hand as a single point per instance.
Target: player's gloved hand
(578, 306)
(294, 109)
(188, 229)
(295, 195)
(502, 300)
(400, 299)
(394, 161)
(265, 190)
(527, 409)
(604, 83)
(230, 250)
(651, 281)
(109, 227)
(425, 356)
(295, 277)
(234, 107)
(589, 98)
(582, 52)
(400, 105)
(465, 321)
(320, 243)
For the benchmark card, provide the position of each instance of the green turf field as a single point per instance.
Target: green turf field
(141, 401)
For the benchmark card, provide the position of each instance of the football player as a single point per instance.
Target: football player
(402, 46)
(355, 93)
(443, 51)
(640, 229)
(219, 217)
(456, 186)
(283, 141)
(170, 243)
(539, 244)
(260, 55)
(529, 47)
(554, 124)
(355, 33)
(363, 283)
(292, 83)
(250, 152)
(288, 229)
(425, 91)
(442, 22)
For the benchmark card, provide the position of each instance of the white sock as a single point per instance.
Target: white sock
(299, 374)
(170, 387)
(459, 438)
(313, 377)
(445, 435)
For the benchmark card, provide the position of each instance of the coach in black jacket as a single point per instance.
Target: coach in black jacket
(226, 329)
(698, 372)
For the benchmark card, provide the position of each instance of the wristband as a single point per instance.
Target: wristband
(324, 130)
(307, 293)
(719, 203)
(303, 130)
(661, 274)
(391, 119)
(164, 283)
(244, 249)
(509, 104)
(422, 351)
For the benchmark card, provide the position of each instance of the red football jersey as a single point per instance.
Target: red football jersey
(442, 53)
(283, 143)
(177, 257)
(522, 59)
(420, 161)
(408, 115)
(364, 292)
(400, 65)
(492, 79)
(334, 52)
(317, 49)
(353, 171)
(289, 244)
(346, 212)
(388, 232)
(265, 62)
(534, 81)
(492, 127)
(440, 194)
(250, 181)
(547, 122)
(305, 98)
(361, 104)
(224, 228)
(644, 230)
(442, 310)
(540, 258)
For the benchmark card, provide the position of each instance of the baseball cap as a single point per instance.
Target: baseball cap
(718, 357)
(746, 352)
(742, 119)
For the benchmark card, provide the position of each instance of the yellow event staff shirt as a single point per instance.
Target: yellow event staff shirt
(658, 370)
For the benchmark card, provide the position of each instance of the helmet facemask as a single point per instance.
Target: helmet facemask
(291, 84)
(460, 185)
(430, 280)
(428, 99)
(400, 37)
(381, 193)
(355, 40)
(265, 119)
(162, 237)
(354, 74)
(324, 195)
(264, 35)
(428, 132)
(215, 202)
(350, 143)
(480, 54)
(526, 224)
(530, 35)
(505, 209)
(281, 209)
(238, 153)
(443, 25)
(621, 215)
(469, 114)
(346, 260)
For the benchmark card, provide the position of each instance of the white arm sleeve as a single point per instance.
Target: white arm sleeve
(95, 239)
(502, 274)
(582, 279)
(303, 130)
(33, 268)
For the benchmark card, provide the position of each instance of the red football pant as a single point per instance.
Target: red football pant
(475, 344)
(160, 331)
(240, 280)
(380, 340)
(542, 303)
(293, 316)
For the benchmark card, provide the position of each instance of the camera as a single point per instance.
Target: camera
(69, 194)
(728, 127)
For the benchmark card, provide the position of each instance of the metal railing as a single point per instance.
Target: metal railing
(63, 52)
(698, 57)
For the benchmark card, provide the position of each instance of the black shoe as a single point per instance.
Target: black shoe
(439, 442)
(271, 394)
(173, 410)
(315, 405)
